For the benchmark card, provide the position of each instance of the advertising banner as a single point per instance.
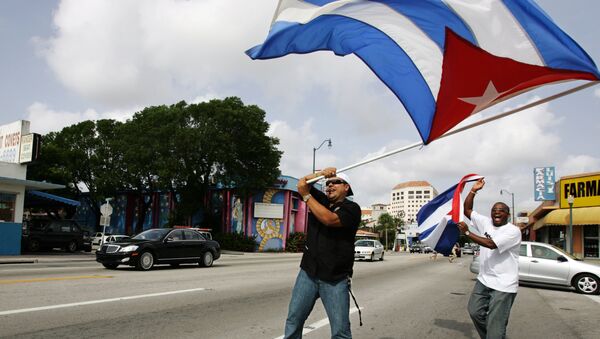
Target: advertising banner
(544, 183)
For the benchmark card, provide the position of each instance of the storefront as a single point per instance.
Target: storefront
(577, 207)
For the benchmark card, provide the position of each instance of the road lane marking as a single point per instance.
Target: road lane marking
(91, 302)
(54, 279)
(317, 324)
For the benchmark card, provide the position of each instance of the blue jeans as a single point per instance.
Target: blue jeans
(489, 309)
(335, 298)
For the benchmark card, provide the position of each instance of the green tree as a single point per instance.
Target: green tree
(82, 158)
(387, 226)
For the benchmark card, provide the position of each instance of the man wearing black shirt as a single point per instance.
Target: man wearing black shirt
(328, 255)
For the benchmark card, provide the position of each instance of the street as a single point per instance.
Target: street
(246, 296)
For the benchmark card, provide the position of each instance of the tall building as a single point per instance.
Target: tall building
(408, 197)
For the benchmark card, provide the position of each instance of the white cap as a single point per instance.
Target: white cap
(345, 177)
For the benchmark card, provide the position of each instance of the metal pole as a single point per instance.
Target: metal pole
(513, 208)
(314, 151)
(571, 200)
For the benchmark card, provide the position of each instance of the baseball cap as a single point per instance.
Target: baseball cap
(345, 177)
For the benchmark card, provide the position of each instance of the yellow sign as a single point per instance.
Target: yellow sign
(585, 191)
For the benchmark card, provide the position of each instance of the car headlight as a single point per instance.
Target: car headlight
(129, 248)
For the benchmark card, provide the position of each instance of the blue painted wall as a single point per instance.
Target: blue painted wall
(10, 238)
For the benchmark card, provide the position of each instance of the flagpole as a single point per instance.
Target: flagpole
(464, 128)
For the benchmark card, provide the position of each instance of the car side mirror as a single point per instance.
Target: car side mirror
(169, 239)
(562, 258)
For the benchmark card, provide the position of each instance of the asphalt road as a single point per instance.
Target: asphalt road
(405, 296)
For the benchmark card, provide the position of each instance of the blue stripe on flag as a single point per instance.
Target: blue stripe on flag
(343, 36)
(557, 49)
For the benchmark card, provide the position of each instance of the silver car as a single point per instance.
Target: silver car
(546, 264)
(368, 249)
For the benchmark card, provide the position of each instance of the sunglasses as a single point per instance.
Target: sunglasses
(334, 182)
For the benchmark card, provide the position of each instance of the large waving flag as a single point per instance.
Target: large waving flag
(444, 59)
(438, 218)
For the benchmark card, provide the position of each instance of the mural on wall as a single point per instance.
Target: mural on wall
(269, 230)
(237, 214)
(163, 217)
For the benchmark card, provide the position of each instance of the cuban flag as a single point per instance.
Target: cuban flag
(438, 218)
(444, 59)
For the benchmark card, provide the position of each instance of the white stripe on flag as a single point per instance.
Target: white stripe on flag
(423, 51)
(497, 32)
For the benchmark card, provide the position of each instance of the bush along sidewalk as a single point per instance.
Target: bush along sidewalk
(236, 242)
(295, 242)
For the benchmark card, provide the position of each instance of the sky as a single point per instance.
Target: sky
(67, 61)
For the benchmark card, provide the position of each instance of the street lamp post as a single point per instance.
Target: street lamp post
(512, 202)
(315, 149)
(571, 200)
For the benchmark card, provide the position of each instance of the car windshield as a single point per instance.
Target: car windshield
(364, 243)
(154, 234)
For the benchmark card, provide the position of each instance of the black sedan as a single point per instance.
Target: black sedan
(160, 246)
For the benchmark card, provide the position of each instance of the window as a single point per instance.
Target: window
(191, 235)
(523, 250)
(7, 207)
(543, 252)
(176, 235)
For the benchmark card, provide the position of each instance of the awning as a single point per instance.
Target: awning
(29, 184)
(581, 216)
(53, 197)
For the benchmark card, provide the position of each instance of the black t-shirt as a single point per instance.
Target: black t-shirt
(329, 251)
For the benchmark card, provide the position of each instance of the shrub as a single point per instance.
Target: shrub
(236, 241)
(295, 242)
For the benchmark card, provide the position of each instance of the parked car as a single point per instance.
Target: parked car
(41, 233)
(468, 249)
(117, 238)
(368, 249)
(160, 246)
(98, 237)
(416, 248)
(427, 249)
(549, 265)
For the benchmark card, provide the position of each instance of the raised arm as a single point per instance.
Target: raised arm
(322, 213)
(468, 205)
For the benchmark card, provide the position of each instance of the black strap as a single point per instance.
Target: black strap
(354, 298)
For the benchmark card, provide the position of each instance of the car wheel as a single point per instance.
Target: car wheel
(207, 259)
(381, 258)
(372, 256)
(71, 246)
(586, 284)
(145, 262)
(111, 266)
(34, 245)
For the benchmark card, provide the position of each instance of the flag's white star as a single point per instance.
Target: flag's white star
(483, 101)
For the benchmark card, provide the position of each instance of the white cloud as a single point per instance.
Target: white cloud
(136, 52)
(44, 119)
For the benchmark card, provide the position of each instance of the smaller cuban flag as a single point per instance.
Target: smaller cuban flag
(438, 218)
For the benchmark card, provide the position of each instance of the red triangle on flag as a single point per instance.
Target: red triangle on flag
(473, 79)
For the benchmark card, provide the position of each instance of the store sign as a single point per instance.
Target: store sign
(268, 211)
(585, 191)
(543, 183)
(10, 140)
(30, 148)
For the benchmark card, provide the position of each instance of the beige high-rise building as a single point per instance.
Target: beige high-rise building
(408, 197)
